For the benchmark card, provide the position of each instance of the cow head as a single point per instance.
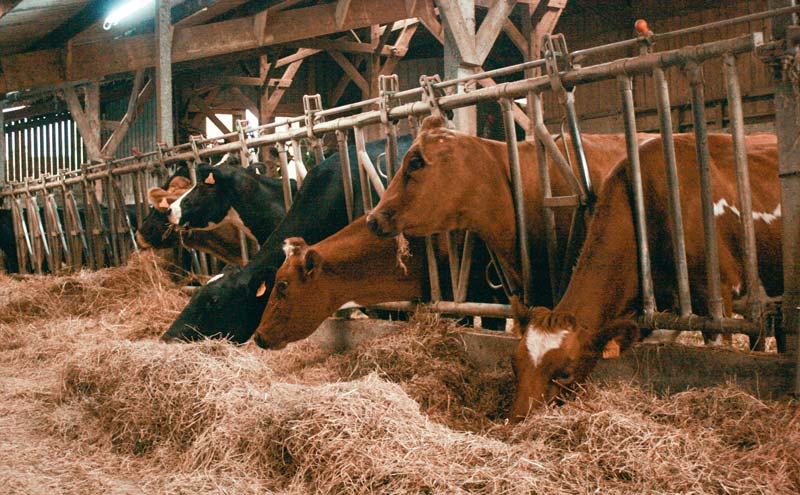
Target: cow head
(207, 202)
(227, 307)
(427, 195)
(154, 231)
(556, 353)
(289, 315)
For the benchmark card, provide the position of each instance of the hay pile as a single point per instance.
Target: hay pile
(105, 408)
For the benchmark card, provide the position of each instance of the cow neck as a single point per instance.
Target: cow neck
(605, 281)
(252, 208)
(498, 231)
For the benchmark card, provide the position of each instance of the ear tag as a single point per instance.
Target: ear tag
(210, 179)
(611, 350)
(163, 203)
(262, 289)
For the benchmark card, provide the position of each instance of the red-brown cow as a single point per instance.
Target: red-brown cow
(351, 265)
(450, 180)
(561, 347)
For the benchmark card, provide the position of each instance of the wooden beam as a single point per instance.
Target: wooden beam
(516, 37)
(342, 9)
(426, 13)
(402, 47)
(163, 49)
(232, 81)
(341, 45)
(344, 81)
(127, 54)
(350, 70)
(300, 55)
(275, 97)
(457, 25)
(491, 26)
(82, 121)
(110, 148)
(208, 13)
(208, 112)
(263, 95)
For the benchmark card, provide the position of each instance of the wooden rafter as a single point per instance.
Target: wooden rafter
(426, 13)
(87, 122)
(277, 94)
(6, 6)
(206, 110)
(401, 47)
(110, 148)
(342, 9)
(473, 49)
(300, 55)
(491, 26)
(516, 37)
(92, 60)
(350, 70)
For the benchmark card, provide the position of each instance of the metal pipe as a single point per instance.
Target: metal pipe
(714, 288)
(454, 259)
(577, 145)
(518, 195)
(466, 308)
(460, 293)
(392, 159)
(673, 187)
(433, 270)
(544, 137)
(755, 289)
(287, 186)
(365, 163)
(347, 177)
(639, 215)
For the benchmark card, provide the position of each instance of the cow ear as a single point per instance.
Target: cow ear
(155, 195)
(432, 122)
(312, 263)
(521, 316)
(179, 182)
(615, 337)
(210, 179)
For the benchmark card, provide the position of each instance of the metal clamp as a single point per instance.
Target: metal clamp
(554, 46)
(429, 93)
(388, 86)
(311, 105)
(193, 139)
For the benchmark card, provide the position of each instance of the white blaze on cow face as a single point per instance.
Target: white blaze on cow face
(540, 342)
(722, 205)
(175, 213)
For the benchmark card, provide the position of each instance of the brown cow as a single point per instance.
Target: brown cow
(221, 242)
(561, 347)
(450, 180)
(351, 265)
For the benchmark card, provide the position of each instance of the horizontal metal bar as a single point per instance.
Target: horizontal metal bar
(466, 308)
(671, 321)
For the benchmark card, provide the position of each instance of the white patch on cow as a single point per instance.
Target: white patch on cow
(737, 289)
(351, 305)
(647, 140)
(540, 342)
(175, 213)
(722, 205)
(215, 278)
(288, 248)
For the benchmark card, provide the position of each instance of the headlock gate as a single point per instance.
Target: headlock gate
(101, 238)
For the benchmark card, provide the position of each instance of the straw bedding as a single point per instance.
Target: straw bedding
(92, 403)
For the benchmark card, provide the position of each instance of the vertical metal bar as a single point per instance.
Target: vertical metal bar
(674, 196)
(366, 192)
(365, 163)
(347, 177)
(392, 159)
(518, 195)
(287, 187)
(3, 174)
(453, 257)
(466, 264)
(694, 72)
(755, 290)
(112, 219)
(537, 117)
(319, 154)
(577, 145)
(433, 270)
(640, 220)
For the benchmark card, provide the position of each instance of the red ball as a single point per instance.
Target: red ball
(641, 26)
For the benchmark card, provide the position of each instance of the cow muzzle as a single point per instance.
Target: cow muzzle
(381, 224)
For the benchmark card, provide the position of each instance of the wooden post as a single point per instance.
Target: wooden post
(164, 72)
(263, 97)
(458, 34)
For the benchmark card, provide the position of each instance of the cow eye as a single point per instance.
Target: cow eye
(282, 285)
(563, 377)
(415, 163)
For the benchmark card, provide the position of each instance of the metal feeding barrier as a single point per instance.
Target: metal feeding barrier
(557, 71)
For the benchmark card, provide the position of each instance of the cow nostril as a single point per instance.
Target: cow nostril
(372, 224)
(260, 341)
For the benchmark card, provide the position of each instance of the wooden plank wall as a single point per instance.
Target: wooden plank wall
(611, 20)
